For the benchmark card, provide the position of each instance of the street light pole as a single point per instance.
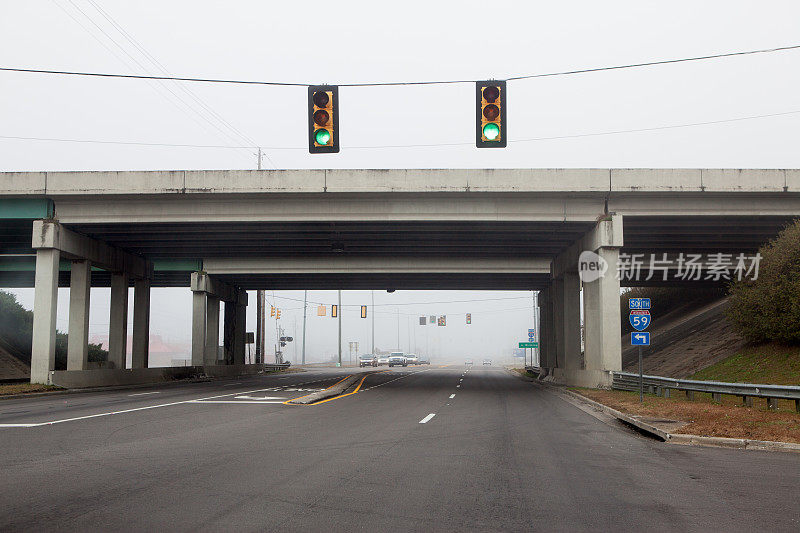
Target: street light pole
(305, 306)
(339, 310)
(373, 322)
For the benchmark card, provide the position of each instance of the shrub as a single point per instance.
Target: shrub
(767, 309)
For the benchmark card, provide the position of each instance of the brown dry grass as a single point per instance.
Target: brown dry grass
(21, 388)
(726, 419)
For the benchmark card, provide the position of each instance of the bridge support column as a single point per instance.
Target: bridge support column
(557, 357)
(546, 347)
(239, 334)
(602, 321)
(199, 307)
(141, 324)
(52, 241)
(212, 331)
(118, 321)
(80, 284)
(593, 261)
(45, 303)
(207, 294)
(571, 323)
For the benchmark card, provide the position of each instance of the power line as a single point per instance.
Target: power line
(432, 145)
(399, 83)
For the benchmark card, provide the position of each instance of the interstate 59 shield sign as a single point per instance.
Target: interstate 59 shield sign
(639, 319)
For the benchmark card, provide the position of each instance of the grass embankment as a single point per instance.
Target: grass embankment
(773, 364)
(704, 417)
(22, 388)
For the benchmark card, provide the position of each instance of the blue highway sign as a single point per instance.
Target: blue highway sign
(640, 338)
(638, 303)
(639, 321)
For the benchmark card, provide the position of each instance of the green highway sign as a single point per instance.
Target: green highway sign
(529, 345)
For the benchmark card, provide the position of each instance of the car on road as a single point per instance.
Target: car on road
(468, 362)
(383, 360)
(367, 360)
(412, 359)
(487, 362)
(397, 359)
(423, 360)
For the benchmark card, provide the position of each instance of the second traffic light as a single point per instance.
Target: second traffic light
(490, 123)
(323, 119)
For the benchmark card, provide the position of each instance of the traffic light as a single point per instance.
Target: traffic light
(334, 311)
(278, 314)
(323, 119)
(363, 311)
(469, 318)
(271, 311)
(490, 125)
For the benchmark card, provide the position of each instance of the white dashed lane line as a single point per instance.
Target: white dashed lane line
(144, 393)
(427, 418)
(452, 396)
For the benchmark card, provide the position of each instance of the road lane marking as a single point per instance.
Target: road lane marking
(452, 396)
(123, 411)
(427, 418)
(395, 379)
(259, 398)
(326, 388)
(144, 393)
(233, 401)
(458, 386)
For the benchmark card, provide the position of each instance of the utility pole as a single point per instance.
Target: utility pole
(305, 306)
(339, 311)
(259, 331)
(398, 329)
(373, 322)
(259, 158)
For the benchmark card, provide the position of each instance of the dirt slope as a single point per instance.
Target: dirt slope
(11, 367)
(685, 341)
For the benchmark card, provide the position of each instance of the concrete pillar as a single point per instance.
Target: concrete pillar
(572, 322)
(118, 326)
(558, 323)
(45, 304)
(199, 308)
(240, 335)
(228, 330)
(141, 324)
(80, 284)
(546, 335)
(602, 318)
(212, 331)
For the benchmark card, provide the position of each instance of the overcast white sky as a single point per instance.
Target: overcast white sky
(345, 42)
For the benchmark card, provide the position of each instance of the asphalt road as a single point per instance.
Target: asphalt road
(502, 454)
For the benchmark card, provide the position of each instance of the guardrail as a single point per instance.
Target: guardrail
(662, 387)
(276, 366)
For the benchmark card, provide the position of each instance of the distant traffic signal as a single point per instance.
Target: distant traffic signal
(469, 318)
(278, 314)
(363, 311)
(272, 311)
(334, 311)
(490, 124)
(323, 119)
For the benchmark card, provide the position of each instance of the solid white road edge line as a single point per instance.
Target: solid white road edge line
(144, 393)
(427, 418)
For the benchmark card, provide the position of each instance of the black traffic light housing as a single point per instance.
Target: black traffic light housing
(323, 119)
(490, 118)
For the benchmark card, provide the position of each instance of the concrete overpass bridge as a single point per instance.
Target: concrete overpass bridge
(224, 232)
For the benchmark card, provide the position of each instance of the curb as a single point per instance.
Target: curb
(684, 438)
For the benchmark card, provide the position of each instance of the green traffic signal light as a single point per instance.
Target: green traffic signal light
(491, 131)
(322, 137)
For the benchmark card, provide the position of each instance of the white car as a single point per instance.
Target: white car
(412, 359)
(397, 359)
(383, 360)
